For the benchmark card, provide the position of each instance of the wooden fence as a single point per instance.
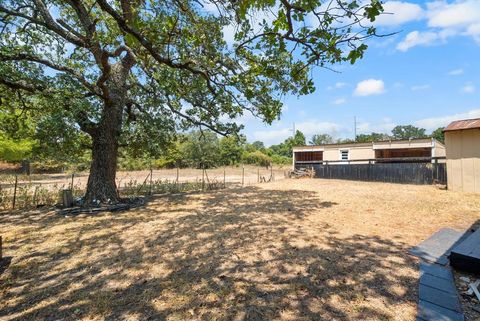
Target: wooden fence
(403, 172)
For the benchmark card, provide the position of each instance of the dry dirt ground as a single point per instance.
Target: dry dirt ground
(290, 250)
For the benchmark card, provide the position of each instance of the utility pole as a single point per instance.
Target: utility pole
(294, 132)
(355, 128)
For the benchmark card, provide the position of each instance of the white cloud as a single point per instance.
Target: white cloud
(420, 87)
(337, 85)
(314, 127)
(468, 89)
(474, 31)
(461, 17)
(385, 126)
(309, 128)
(397, 13)
(442, 121)
(339, 101)
(417, 38)
(272, 136)
(369, 87)
(455, 72)
(453, 15)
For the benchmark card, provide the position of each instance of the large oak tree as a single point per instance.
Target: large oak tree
(135, 71)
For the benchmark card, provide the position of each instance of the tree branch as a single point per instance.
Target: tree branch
(32, 58)
(22, 85)
(122, 23)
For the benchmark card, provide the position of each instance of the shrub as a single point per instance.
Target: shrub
(257, 158)
(281, 160)
(128, 163)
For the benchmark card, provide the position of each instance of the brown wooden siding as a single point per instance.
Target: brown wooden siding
(308, 156)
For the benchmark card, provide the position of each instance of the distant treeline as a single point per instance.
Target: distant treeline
(198, 149)
(205, 149)
(398, 133)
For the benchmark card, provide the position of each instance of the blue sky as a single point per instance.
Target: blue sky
(427, 75)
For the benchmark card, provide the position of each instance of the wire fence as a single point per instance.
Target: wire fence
(43, 190)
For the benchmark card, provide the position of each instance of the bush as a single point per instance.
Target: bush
(257, 158)
(48, 166)
(133, 164)
(164, 162)
(281, 160)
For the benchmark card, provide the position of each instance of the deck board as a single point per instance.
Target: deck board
(437, 294)
(432, 312)
(436, 248)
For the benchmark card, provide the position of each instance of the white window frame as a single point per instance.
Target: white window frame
(348, 154)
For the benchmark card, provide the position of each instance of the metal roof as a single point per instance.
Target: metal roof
(463, 124)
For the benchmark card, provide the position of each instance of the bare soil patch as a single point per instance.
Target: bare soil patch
(306, 249)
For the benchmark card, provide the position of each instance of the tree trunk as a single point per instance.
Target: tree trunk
(101, 186)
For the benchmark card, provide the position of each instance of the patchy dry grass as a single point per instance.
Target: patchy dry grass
(289, 250)
(233, 174)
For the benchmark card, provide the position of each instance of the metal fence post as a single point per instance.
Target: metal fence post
(224, 181)
(243, 175)
(15, 192)
(35, 196)
(151, 179)
(203, 178)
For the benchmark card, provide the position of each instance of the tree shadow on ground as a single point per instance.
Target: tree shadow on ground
(4, 263)
(241, 254)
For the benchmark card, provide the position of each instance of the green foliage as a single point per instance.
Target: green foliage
(281, 160)
(257, 158)
(128, 163)
(297, 140)
(258, 145)
(231, 149)
(15, 150)
(198, 149)
(172, 157)
(285, 148)
(372, 137)
(408, 132)
(40, 136)
(321, 139)
(201, 150)
(438, 134)
(16, 128)
(56, 133)
(345, 141)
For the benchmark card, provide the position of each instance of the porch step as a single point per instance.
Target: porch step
(466, 255)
